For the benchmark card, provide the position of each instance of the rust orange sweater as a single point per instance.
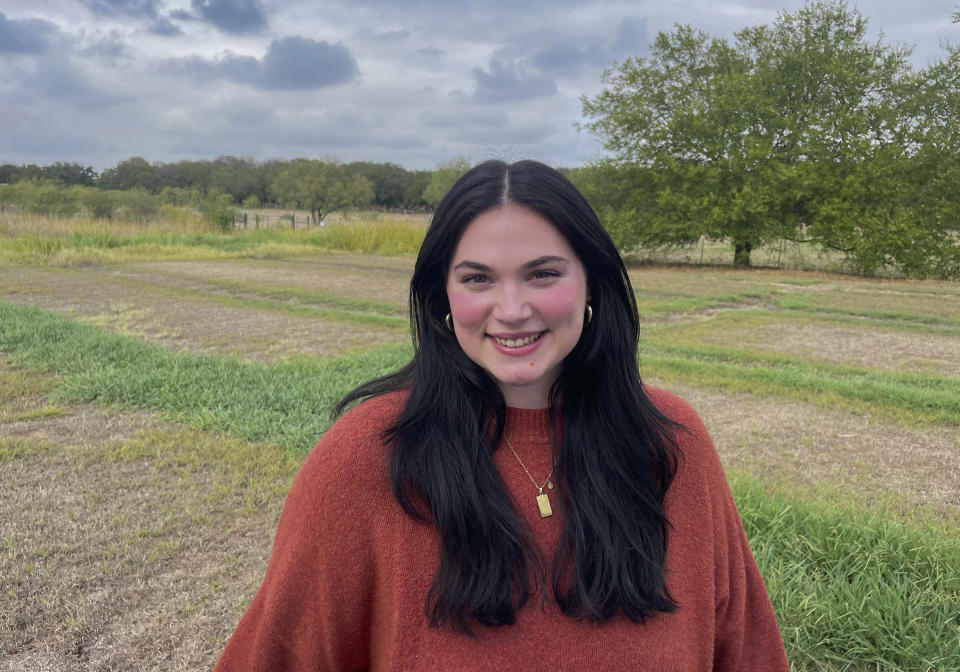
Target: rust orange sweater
(348, 578)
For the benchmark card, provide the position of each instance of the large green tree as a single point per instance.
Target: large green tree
(803, 129)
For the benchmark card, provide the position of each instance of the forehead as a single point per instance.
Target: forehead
(510, 232)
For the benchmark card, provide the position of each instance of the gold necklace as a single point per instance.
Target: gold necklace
(543, 502)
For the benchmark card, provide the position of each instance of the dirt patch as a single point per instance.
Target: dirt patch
(183, 322)
(806, 447)
(128, 543)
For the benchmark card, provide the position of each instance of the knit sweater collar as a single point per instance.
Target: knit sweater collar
(528, 425)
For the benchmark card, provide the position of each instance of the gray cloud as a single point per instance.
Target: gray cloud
(469, 125)
(54, 76)
(164, 27)
(238, 17)
(183, 15)
(633, 38)
(432, 52)
(134, 8)
(505, 82)
(565, 58)
(29, 36)
(290, 63)
(384, 36)
(110, 49)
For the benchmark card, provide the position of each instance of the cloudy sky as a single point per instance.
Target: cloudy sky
(414, 82)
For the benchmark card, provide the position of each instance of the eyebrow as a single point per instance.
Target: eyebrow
(533, 263)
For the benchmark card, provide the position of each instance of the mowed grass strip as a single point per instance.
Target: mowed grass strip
(814, 305)
(303, 297)
(854, 590)
(906, 398)
(288, 403)
(660, 305)
(299, 303)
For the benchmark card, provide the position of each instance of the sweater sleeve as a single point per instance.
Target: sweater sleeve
(313, 609)
(746, 634)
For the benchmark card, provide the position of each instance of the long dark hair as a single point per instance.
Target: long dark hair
(616, 456)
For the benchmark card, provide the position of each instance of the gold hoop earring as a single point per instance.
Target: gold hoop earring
(448, 320)
(589, 315)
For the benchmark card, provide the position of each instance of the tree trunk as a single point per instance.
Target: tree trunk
(741, 254)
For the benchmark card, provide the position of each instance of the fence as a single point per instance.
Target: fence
(266, 220)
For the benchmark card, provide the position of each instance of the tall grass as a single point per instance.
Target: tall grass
(855, 589)
(27, 239)
(851, 590)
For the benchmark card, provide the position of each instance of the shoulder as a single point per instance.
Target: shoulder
(698, 456)
(679, 411)
(351, 456)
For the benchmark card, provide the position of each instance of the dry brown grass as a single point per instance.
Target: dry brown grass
(127, 543)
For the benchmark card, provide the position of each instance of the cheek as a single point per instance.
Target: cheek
(562, 304)
(469, 310)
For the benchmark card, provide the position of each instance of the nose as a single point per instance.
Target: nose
(512, 305)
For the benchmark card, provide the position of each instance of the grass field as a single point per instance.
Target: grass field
(159, 388)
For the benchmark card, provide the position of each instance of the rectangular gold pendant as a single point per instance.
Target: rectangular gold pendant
(544, 503)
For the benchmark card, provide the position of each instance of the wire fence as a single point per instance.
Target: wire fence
(265, 220)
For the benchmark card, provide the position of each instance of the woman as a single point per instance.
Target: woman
(514, 498)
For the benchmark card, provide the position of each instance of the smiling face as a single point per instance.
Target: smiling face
(517, 294)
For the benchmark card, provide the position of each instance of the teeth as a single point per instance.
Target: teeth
(511, 343)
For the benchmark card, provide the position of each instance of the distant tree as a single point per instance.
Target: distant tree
(321, 187)
(219, 212)
(237, 177)
(131, 173)
(443, 178)
(138, 204)
(99, 203)
(414, 184)
(388, 180)
(69, 174)
(10, 173)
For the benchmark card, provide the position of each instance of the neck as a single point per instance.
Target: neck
(527, 396)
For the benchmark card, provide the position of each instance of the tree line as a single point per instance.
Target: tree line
(801, 130)
(245, 181)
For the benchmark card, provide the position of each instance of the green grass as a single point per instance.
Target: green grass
(288, 403)
(855, 589)
(807, 304)
(906, 398)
